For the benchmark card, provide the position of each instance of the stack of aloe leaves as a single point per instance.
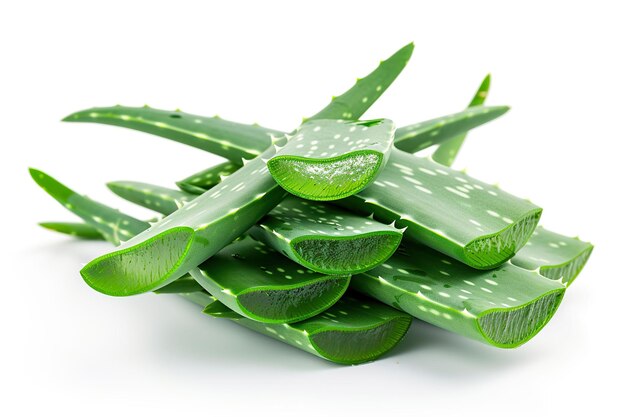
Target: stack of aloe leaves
(334, 236)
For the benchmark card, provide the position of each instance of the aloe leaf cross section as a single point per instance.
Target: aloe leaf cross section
(332, 159)
(320, 237)
(354, 330)
(503, 307)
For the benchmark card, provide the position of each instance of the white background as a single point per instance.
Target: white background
(65, 348)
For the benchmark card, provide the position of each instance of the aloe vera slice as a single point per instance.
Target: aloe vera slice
(79, 230)
(354, 330)
(503, 307)
(320, 237)
(446, 153)
(207, 178)
(281, 291)
(332, 159)
(555, 256)
(473, 222)
(212, 134)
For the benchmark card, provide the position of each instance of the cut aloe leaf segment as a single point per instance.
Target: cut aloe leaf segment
(473, 222)
(503, 307)
(79, 230)
(279, 291)
(354, 330)
(208, 178)
(320, 237)
(332, 159)
(556, 256)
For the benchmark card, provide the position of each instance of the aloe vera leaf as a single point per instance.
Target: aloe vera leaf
(555, 256)
(184, 239)
(200, 182)
(473, 222)
(277, 291)
(212, 134)
(354, 330)
(446, 153)
(332, 159)
(504, 307)
(184, 284)
(320, 237)
(442, 130)
(79, 230)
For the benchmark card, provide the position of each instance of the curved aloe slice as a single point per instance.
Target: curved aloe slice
(320, 237)
(332, 159)
(354, 330)
(213, 134)
(471, 221)
(277, 291)
(448, 150)
(208, 178)
(504, 307)
(80, 230)
(440, 131)
(556, 256)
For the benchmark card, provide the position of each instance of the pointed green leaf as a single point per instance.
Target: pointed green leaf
(207, 178)
(80, 230)
(504, 307)
(160, 199)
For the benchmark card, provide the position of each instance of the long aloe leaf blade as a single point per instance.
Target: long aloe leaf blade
(79, 230)
(200, 182)
(320, 237)
(212, 134)
(446, 153)
(332, 159)
(556, 256)
(442, 130)
(242, 277)
(354, 330)
(504, 307)
(473, 222)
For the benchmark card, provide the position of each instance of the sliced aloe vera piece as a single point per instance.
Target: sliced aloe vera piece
(473, 222)
(354, 330)
(207, 178)
(320, 237)
(440, 131)
(281, 291)
(212, 134)
(79, 230)
(504, 307)
(555, 256)
(446, 152)
(332, 159)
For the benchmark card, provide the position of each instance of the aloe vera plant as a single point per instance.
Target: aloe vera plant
(80, 230)
(353, 331)
(504, 307)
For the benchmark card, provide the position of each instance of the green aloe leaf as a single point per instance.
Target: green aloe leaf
(277, 291)
(207, 178)
(354, 330)
(332, 159)
(504, 307)
(212, 134)
(442, 130)
(79, 230)
(473, 222)
(448, 150)
(184, 239)
(320, 237)
(556, 256)
(185, 284)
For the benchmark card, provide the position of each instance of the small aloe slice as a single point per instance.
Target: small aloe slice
(320, 237)
(473, 222)
(212, 134)
(208, 178)
(79, 230)
(332, 159)
(354, 330)
(504, 307)
(277, 291)
(556, 256)
(448, 150)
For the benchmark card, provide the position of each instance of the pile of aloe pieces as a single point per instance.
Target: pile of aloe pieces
(334, 236)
